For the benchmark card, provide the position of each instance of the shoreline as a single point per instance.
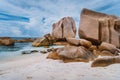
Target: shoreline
(36, 66)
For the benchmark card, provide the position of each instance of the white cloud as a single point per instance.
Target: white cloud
(17, 32)
(13, 31)
(51, 11)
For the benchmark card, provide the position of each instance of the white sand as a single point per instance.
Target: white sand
(37, 67)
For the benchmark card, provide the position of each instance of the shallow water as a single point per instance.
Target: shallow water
(7, 52)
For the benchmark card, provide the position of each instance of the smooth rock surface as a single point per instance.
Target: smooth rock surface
(64, 28)
(109, 47)
(73, 52)
(97, 27)
(79, 42)
(106, 61)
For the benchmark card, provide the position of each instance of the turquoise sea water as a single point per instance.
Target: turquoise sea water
(12, 51)
(16, 50)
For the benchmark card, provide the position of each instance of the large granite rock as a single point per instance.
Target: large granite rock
(65, 28)
(97, 27)
(6, 41)
(106, 61)
(46, 40)
(78, 53)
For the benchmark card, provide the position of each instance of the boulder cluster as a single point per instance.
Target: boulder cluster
(65, 28)
(99, 36)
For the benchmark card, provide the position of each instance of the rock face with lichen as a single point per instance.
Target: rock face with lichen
(98, 27)
(64, 28)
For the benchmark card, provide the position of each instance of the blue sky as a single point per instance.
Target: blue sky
(32, 18)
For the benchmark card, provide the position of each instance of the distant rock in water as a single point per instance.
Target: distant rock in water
(97, 27)
(64, 28)
(25, 40)
(6, 41)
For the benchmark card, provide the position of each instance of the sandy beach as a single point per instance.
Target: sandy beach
(37, 67)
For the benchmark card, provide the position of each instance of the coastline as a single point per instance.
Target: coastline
(36, 66)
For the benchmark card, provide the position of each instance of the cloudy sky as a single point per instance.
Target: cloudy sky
(35, 17)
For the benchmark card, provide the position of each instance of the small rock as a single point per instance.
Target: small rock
(49, 50)
(54, 55)
(29, 77)
(46, 46)
(43, 51)
(26, 52)
(33, 51)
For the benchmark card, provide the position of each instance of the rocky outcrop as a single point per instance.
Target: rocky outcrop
(6, 41)
(65, 28)
(81, 53)
(25, 40)
(97, 27)
(43, 41)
